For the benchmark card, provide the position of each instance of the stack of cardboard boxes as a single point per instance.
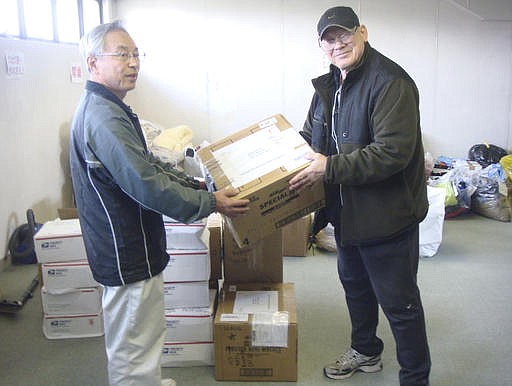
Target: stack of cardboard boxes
(71, 298)
(189, 300)
(255, 326)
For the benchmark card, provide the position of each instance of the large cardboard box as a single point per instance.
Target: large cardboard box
(261, 262)
(59, 240)
(255, 333)
(259, 162)
(296, 236)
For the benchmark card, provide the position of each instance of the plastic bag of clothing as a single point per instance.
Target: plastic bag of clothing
(506, 164)
(486, 154)
(491, 196)
(431, 228)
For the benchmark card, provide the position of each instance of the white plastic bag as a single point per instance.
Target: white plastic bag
(431, 228)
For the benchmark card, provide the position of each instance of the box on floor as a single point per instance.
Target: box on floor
(259, 345)
(259, 161)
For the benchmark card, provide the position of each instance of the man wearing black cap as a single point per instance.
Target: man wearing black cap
(364, 126)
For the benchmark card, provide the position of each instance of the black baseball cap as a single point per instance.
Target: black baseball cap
(343, 17)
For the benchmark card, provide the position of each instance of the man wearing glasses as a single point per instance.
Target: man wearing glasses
(121, 192)
(364, 126)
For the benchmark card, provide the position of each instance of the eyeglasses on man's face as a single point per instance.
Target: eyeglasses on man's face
(124, 56)
(328, 41)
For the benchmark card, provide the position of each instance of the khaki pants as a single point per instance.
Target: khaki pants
(134, 332)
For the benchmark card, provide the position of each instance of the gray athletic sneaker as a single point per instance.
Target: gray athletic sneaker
(350, 362)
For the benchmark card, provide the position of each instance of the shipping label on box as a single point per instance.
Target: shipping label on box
(59, 240)
(75, 274)
(187, 265)
(259, 162)
(255, 332)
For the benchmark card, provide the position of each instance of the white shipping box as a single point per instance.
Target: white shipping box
(76, 274)
(73, 326)
(187, 265)
(71, 301)
(187, 354)
(190, 324)
(59, 240)
(186, 236)
(186, 294)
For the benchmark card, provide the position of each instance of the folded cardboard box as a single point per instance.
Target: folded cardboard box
(59, 240)
(259, 162)
(255, 333)
(261, 262)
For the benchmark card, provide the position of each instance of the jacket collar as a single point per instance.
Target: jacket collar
(98, 88)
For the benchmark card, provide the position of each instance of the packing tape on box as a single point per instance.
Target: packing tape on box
(270, 329)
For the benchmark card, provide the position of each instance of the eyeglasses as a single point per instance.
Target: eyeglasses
(124, 56)
(345, 37)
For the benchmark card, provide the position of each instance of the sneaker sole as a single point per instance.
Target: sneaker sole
(365, 369)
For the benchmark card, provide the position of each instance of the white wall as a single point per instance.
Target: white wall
(220, 65)
(35, 115)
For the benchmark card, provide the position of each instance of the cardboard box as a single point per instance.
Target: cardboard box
(71, 301)
(186, 236)
(76, 274)
(187, 265)
(214, 224)
(259, 345)
(261, 262)
(259, 162)
(190, 324)
(72, 326)
(187, 354)
(186, 294)
(296, 236)
(67, 213)
(59, 240)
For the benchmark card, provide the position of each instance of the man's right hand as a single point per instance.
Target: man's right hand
(229, 206)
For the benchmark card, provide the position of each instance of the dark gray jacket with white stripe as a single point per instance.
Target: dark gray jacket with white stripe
(122, 190)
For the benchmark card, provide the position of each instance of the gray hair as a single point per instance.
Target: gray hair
(92, 42)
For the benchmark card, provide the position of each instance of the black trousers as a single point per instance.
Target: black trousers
(385, 274)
